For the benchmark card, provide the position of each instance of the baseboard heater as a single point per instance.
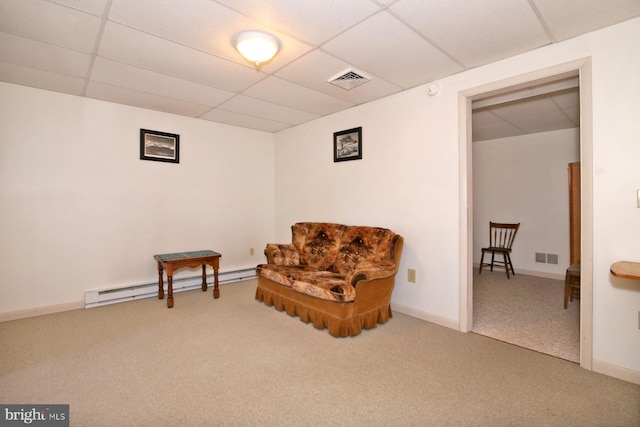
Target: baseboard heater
(98, 298)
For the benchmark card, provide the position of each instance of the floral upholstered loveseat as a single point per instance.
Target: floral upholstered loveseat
(336, 276)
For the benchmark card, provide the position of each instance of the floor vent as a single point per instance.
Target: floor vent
(349, 79)
(101, 297)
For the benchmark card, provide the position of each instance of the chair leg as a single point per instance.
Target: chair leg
(513, 272)
(481, 262)
(506, 263)
(567, 290)
(493, 254)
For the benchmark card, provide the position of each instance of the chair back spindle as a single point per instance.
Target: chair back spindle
(502, 235)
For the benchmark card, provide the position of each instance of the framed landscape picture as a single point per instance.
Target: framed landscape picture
(347, 145)
(159, 146)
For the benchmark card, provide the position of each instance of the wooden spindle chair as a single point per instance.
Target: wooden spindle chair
(501, 237)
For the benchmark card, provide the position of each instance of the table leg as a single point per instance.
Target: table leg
(169, 288)
(216, 291)
(160, 283)
(204, 277)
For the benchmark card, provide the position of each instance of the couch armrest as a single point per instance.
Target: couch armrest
(370, 271)
(282, 254)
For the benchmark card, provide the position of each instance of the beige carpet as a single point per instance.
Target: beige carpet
(236, 362)
(527, 311)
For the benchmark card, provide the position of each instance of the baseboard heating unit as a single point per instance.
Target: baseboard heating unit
(101, 297)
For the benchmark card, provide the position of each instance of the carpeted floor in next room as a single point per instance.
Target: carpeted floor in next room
(526, 311)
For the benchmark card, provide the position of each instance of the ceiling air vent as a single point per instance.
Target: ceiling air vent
(349, 78)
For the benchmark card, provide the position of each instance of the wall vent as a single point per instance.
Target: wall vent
(547, 258)
(349, 78)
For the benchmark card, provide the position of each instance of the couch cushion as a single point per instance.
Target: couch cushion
(317, 243)
(283, 274)
(326, 285)
(283, 254)
(363, 246)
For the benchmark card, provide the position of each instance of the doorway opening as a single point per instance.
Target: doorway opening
(580, 70)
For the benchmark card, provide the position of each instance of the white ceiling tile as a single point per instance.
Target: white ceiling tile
(21, 75)
(493, 130)
(544, 121)
(313, 71)
(243, 120)
(383, 46)
(386, 2)
(54, 24)
(295, 96)
(127, 76)
(570, 18)
(176, 55)
(201, 24)
(485, 116)
(95, 7)
(515, 110)
(500, 28)
(41, 56)
(266, 110)
(312, 21)
(144, 100)
(133, 47)
(573, 114)
(567, 98)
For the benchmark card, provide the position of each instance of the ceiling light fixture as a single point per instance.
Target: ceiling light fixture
(256, 46)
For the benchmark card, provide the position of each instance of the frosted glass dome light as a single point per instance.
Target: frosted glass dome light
(256, 46)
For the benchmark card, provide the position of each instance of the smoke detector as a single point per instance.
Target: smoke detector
(349, 78)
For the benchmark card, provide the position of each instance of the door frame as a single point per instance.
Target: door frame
(583, 69)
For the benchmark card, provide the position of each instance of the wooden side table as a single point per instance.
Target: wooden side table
(172, 262)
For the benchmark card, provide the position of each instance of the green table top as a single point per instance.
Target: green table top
(183, 255)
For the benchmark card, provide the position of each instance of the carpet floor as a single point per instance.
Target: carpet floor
(526, 311)
(236, 362)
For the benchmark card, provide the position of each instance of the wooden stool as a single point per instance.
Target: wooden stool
(572, 284)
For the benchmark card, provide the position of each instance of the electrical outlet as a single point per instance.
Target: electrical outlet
(251, 251)
(411, 275)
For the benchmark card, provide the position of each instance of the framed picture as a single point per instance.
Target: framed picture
(347, 145)
(159, 146)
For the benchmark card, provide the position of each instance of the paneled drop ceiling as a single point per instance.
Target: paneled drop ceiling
(539, 107)
(176, 55)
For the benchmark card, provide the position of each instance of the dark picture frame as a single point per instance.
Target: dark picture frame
(159, 146)
(347, 145)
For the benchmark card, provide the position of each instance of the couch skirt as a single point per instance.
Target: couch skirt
(342, 319)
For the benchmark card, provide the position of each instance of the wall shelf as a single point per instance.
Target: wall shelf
(626, 269)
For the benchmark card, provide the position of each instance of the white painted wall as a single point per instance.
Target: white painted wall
(525, 179)
(408, 180)
(81, 211)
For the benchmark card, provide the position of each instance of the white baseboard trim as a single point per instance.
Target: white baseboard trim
(40, 311)
(616, 371)
(423, 315)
